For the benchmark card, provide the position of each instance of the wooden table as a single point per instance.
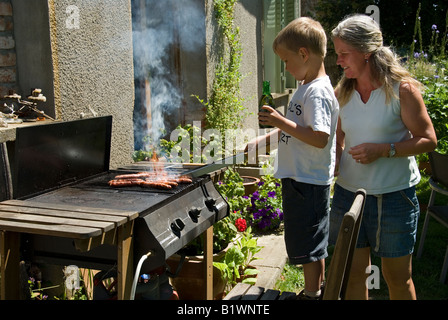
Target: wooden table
(88, 227)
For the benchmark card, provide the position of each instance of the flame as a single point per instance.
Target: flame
(156, 177)
(158, 168)
(157, 171)
(154, 157)
(155, 164)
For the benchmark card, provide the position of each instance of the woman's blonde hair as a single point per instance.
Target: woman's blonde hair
(303, 32)
(363, 33)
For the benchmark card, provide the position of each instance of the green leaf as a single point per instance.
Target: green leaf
(251, 271)
(251, 281)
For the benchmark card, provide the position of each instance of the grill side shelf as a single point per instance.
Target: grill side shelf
(60, 220)
(78, 210)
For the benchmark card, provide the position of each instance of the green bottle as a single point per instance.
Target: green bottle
(266, 100)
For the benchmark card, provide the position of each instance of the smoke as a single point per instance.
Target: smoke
(159, 29)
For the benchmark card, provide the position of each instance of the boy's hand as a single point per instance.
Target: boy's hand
(251, 145)
(268, 116)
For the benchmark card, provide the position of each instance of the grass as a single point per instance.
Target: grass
(291, 280)
(426, 270)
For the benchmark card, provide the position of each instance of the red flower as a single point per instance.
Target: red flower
(241, 224)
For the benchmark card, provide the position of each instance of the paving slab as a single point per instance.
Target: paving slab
(271, 259)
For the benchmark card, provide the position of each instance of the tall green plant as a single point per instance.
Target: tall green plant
(225, 105)
(430, 69)
(444, 37)
(417, 31)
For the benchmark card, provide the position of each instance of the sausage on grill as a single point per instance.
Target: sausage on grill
(172, 183)
(156, 184)
(183, 180)
(133, 175)
(125, 182)
(152, 180)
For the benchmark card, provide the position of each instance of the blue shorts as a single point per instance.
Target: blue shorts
(389, 223)
(306, 209)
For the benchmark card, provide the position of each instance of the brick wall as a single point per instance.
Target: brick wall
(8, 71)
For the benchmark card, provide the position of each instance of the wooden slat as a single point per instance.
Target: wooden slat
(243, 291)
(286, 295)
(8, 216)
(60, 220)
(118, 220)
(270, 295)
(65, 207)
(237, 292)
(254, 293)
(74, 232)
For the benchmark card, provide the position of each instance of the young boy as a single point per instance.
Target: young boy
(306, 151)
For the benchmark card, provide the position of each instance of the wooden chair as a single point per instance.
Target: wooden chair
(439, 185)
(341, 261)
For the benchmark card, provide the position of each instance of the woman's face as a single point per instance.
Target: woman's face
(352, 61)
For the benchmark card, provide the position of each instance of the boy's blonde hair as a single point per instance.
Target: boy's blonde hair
(303, 32)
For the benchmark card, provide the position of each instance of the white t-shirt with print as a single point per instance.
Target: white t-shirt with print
(312, 105)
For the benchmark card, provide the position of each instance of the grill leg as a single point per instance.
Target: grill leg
(9, 265)
(208, 256)
(125, 260)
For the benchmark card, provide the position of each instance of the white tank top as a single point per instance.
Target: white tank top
(375, 122)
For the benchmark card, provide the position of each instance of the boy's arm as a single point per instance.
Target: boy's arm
(263, 141)
(317, 139)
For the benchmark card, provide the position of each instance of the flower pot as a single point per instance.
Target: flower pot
(190, 282)
(250, 184)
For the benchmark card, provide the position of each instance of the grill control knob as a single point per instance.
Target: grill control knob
(210, 203)
(194, 213)
(177, 226)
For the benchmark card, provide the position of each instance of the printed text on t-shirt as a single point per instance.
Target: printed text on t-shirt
(296, 108)
(284, 137)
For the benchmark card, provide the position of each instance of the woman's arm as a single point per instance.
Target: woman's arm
(416, 119)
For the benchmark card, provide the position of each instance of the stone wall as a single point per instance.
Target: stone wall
(8, 71)
(93, 65)
(80, 54)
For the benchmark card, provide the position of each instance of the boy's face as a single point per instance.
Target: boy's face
(294, 61)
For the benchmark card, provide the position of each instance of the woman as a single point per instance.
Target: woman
(383, 123)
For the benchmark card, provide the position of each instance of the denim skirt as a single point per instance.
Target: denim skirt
(389, 222)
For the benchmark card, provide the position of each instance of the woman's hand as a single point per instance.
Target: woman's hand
(368, 152)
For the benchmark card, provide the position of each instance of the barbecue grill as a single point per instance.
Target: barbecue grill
(66, 164)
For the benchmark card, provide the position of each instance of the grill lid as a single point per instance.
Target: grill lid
(49, 155)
